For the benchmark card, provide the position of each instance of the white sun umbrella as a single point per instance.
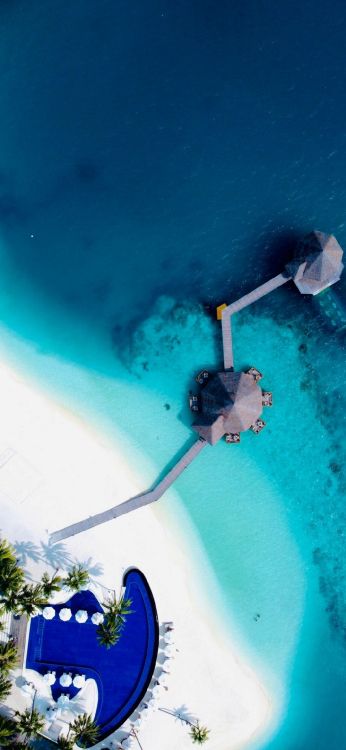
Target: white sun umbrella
(97, 618)
(49, 678)
(168, 651)
(65, 680)
(65, 614)
(81, 615)
(48, 613)
(163, 678)
(79, 681)
(137, 722)
(63, 700)
(127, 742)
(156, 691)
(152, 703)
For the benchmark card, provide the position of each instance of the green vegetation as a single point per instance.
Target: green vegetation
(29, 723)
(11, 575)
(118, 609)
(199, 734)
(77, 578)
(23, 598)
(5, 684)
(51, 584)
(16, 595)
(16, 734)
(84, 730)
(8, 656)
(108, 633)
(116, 612)
(65, 743)
(8, 730)
(27, 599)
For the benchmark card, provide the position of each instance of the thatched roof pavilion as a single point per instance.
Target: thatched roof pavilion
(318, 263)
(231, 402)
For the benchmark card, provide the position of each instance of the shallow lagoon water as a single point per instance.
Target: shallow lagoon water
(161, 158)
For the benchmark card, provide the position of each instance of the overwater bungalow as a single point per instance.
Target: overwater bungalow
(318, 263)
(230, 403)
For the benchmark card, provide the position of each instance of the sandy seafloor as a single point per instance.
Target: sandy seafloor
(153, 159)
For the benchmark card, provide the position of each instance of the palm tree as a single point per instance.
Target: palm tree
(8, 731)
(7, 552)
(5, 685)
(50, 584)
(84, 730)
(8, 656)
(9, 603)
(11, 576)
(108, 633)
(31, 599)
(118, 608)
(30, 723)
(199, 734)
(65, 743)
(77, 578)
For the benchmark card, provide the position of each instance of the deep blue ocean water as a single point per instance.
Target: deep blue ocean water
(157, 157)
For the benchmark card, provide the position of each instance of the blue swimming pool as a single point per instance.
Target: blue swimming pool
(122, 673)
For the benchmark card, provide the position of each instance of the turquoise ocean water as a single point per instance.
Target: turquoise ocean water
(156, 158)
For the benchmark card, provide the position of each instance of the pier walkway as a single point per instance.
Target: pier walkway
(248, 299)
(317, 265)
(145, 498)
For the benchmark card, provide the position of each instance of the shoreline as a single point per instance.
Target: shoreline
(56, 454)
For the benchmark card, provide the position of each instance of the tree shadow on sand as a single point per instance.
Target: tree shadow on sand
(181, 713)
(56, 554)
(26, 551)
(94, 569)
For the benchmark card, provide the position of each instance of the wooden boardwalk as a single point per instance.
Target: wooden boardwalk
(248, 299)
(150, 496)
(19, 628)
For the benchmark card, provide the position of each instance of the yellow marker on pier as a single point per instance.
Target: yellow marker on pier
(219, 311)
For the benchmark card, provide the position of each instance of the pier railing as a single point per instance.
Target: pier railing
(150, 496)
(239, 304)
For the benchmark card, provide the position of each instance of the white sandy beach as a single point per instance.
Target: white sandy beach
(55, 470)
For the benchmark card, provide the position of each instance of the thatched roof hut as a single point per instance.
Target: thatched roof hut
(230, 403)
(318, 263)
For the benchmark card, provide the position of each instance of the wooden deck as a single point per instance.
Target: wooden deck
(150, 496)
(18, 632)
(239, 304)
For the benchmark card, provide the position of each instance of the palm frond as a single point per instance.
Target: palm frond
(29, 722)
(77, 578)
(108, 633)
(84, 730)
(199, 734)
